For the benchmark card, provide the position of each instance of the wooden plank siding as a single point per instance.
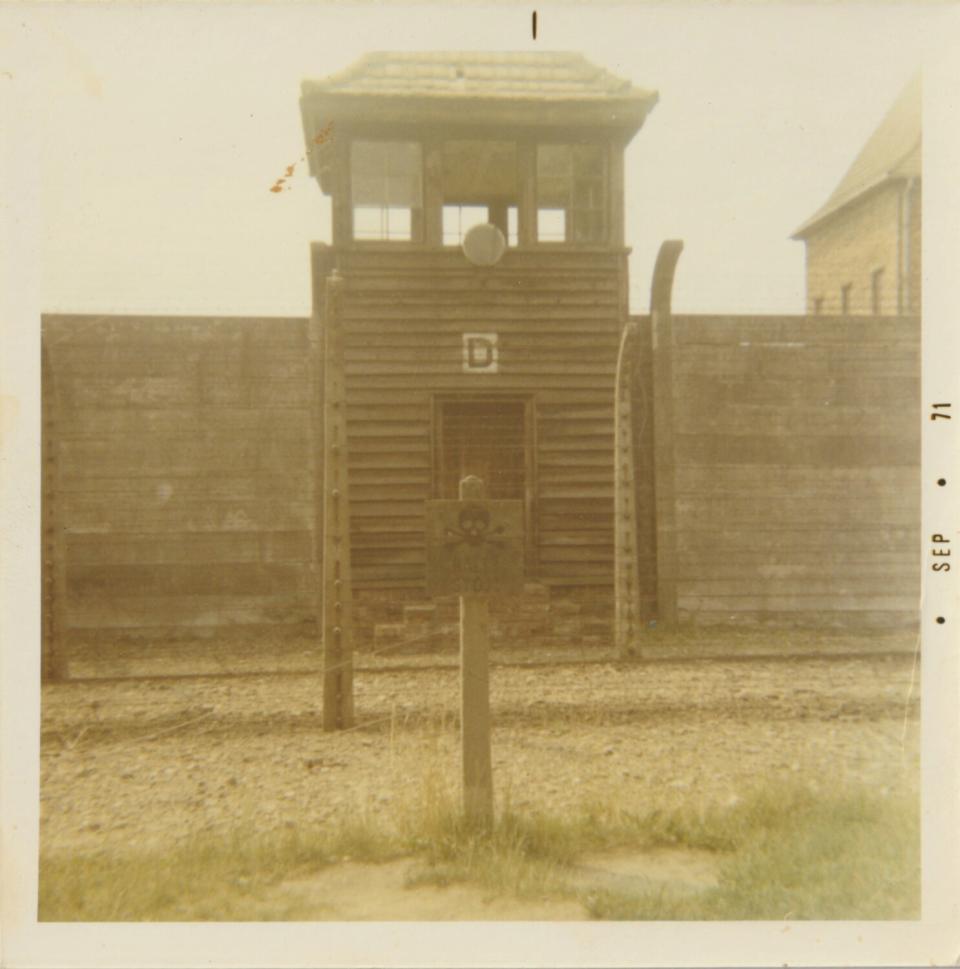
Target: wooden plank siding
(558, 316)
(185, 484)
(796, 453)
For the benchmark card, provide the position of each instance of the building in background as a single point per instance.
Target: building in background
(863, 244)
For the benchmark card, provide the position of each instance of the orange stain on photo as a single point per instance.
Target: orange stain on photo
(280, 185)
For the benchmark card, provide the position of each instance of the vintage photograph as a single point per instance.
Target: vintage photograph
(481, 463)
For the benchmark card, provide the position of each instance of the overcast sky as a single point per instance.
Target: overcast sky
(161, 129)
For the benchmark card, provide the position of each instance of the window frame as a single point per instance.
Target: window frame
(417, 213)
(876, 291)
(603, 208)
(498, 206)
(846, 292)
(427, 220)
(531, 469)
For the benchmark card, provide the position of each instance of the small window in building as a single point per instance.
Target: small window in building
(817, 305)
(571, 181)
(386, 190)
(513, 232)
(876, 292)
(457, 219)
(386, 222)
(479, 184)
(551, 225)
(845, 293)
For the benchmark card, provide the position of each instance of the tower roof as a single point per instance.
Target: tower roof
(538, 88)
(891, 153)
(468, 74)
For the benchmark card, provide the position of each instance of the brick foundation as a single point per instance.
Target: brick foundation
(540, 618)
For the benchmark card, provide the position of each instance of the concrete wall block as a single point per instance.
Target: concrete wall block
(187, 487)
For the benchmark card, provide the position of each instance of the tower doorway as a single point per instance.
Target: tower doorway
(490, 437)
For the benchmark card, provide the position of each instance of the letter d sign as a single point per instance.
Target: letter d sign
(480, 353)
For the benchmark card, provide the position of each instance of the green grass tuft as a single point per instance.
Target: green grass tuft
(794, 855)
(206, 878)
(785, 853)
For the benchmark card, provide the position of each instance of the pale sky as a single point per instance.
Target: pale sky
(161, 129)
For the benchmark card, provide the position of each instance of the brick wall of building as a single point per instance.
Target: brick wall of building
(847, 249)
(913, 301)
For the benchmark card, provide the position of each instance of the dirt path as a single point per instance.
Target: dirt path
(352, 891)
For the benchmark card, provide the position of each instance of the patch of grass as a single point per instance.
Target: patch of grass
(524, 856)
(794, 855)
(362, 838)
(784, 853)
(519, 854)
(208, 877)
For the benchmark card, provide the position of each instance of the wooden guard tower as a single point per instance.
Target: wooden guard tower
(455, 361)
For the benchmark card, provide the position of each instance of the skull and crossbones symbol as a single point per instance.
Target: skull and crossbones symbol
(474, 528)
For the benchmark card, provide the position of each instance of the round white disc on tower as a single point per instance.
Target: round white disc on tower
(484, 244)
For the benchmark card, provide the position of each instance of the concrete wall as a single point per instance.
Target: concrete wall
(793, 462)
(186, 465)
(185, 500)
(881, 231)
(913, 296)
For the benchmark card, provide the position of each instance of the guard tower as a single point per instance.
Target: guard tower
(493, 351)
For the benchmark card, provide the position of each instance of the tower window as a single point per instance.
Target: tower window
(457, 219)
(386, 190)
(513, 226)
(845, 292)
(876, 291)
(382, 222)
(479, 179)
(571, 193)
(551, 225)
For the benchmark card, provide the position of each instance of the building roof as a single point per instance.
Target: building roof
(891, 153)
(468, 74)
(538, 89)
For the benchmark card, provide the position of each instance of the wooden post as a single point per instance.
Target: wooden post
(53, 658)
(433, 192)
(475, 550)
(341, 192)
(527, 202)
(321, 265)
(475, 693)
(337, 589)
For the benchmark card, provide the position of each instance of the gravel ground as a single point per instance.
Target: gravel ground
(131, 763)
